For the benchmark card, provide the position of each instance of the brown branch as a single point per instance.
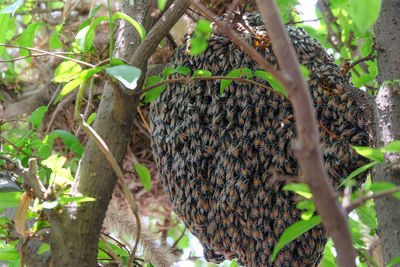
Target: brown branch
(334, 39)
(370, 56)
(361, 200)
(191, 79)
(257, 57)
(307, 147)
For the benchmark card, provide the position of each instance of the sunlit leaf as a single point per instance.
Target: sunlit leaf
(83, 76)
(4, 18)
(367, 216)
(202, 73)
(139, 27)
(364, 12)
(393, 146)
(126, 74)
(91, 118)
(87, 34)
(66, 71)
(13, 7)
(369, 153)
(301, 189)
(394, 261)
(199, 41)
(9, 199)
(161, 4)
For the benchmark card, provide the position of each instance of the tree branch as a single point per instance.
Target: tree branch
(307, 147)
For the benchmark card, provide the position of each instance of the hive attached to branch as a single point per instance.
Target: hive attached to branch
(219, 155)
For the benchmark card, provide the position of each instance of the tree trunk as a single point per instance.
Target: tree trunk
(75, 231)
(387, 124)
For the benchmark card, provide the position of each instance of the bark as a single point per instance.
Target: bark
(75, 231)
(308, 151)
(387, 124)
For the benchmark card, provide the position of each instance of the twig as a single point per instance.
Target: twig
(19, 149)
(307, 147)
(143, 119)
(303, 21)
(361, 200)
(370, 56)
(114, 164)
(179, 238)
(54, 54)
(36, 55)
(110, 250)
(191, 79)
(257, 57)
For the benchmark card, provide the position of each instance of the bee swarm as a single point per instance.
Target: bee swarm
(217, 154)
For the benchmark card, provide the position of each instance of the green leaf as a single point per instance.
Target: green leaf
(126, 74)
(161, 4)
(305, 205)
(9, 199)
(233, 73)
(366, 47)
(329, 259)
(87, 34)
(367, 216)
(55, 41)
(26, 40)
(199, 41)
(116, 62)
(4, 18)
(66, 71)
(91, 118)
(78, 199)
(393, 146)
(305, 72)
(182, 70)
(37, 116)
(357, 172)
(46, 148)
(364, 12)
(394, 261)
(83, 76)
(295, 231)
(8, 254)
(43, 248)
(381, 186)
(301, 189)
(369, 153)
(155, 92)
(13, 7)
(144, 175)
(271, 80)
(139, 27)
(202, 73)
(71, 141)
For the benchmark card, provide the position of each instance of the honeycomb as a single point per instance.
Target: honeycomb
(218, 154)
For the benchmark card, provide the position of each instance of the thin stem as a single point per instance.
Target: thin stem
(111, 24)
(191, 79)
(361, 200)
(54, 54)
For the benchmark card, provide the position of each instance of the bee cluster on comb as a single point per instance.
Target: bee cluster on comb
(217, 154)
